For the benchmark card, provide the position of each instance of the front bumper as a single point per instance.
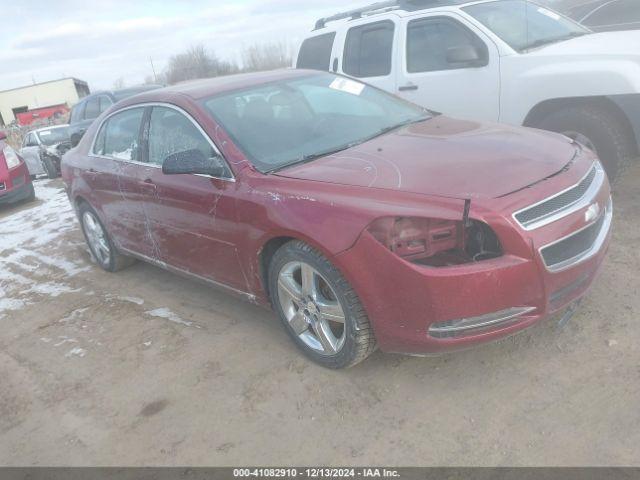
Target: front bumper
(419, 310)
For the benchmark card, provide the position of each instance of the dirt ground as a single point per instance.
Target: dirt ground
(144, 367)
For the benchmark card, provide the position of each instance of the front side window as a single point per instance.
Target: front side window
(368, 50)
(315, 52)
(524, 25)
(118, 137)
(171, 132)
(430, 43)
(298, 120)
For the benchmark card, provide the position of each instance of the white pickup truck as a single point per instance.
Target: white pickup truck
(510, 61)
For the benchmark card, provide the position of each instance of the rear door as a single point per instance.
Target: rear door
(192, 218)
(438, 73)
(369, 53)
(113, 178)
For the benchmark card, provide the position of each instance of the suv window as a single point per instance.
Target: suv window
(171, 132)
(118, 137)
(77, 112)
(92, 110)
(429, 40)
(368, 50)
(105, 102)
(315, 52)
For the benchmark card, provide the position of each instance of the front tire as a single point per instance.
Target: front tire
(319, 309)
(50, 167)
(99, 241)
(600, 130)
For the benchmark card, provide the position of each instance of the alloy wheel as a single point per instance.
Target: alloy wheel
(312, 308)
(96, 237)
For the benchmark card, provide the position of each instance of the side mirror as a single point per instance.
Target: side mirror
(3, 135)
(192, 161)
(464, 55)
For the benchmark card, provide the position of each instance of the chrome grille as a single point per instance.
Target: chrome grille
(579, 246)
(562, 203)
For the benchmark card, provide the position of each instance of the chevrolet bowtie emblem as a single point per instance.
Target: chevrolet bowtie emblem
(592, 213)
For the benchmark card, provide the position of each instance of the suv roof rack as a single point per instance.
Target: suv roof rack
(408, 5)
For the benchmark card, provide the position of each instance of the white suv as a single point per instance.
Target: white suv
(511, 61)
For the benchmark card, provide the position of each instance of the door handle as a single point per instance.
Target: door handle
(406, 88)
(148, 184)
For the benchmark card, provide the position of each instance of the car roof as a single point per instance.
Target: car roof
(398, 7)
(50, 127)
(197, 89)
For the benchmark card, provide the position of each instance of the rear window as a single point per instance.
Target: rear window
(368, 50)
(315, 52)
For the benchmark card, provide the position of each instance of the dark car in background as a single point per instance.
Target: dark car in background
(601, 15)
(89, 108)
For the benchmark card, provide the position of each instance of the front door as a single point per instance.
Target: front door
(192, 217)
(30, 152)
(449, 66)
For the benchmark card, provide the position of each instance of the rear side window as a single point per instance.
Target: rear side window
(118, 137)
(430, 40)
(92, 110)
(315, 52)
(368, 50)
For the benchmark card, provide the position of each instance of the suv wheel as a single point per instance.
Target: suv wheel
(319, 309)
(597, 129)
(99, 241)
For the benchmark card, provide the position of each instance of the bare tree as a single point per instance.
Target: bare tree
(196, 62)
(266, 56)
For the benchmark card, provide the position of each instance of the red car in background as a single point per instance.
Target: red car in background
(15, 181)
(362, 219)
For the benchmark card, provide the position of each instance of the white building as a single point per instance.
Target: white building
(65, 91)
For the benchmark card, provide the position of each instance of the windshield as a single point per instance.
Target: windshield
(283, 123)
(525, 25)
(54, 136)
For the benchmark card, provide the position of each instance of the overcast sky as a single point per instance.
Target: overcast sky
(102, 40)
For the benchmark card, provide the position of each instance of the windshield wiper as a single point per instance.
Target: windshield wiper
(548, 41)
(313, 156)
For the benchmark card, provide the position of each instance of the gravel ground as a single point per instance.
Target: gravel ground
(144, 367)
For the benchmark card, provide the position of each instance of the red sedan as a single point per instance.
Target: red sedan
(362, 219)
(15, 181)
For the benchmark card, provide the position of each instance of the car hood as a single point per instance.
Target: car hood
(608, 44)
(445, 157)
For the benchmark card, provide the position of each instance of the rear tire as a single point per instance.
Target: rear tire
(606, 133)
(315, 309)
(102, 248)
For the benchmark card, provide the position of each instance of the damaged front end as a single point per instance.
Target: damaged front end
(435, 242)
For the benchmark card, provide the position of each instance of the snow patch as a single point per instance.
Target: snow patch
(169, 315)
(76, 352)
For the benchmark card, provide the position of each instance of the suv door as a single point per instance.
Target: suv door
(449, 66)
(192, 218)
(369, 53)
